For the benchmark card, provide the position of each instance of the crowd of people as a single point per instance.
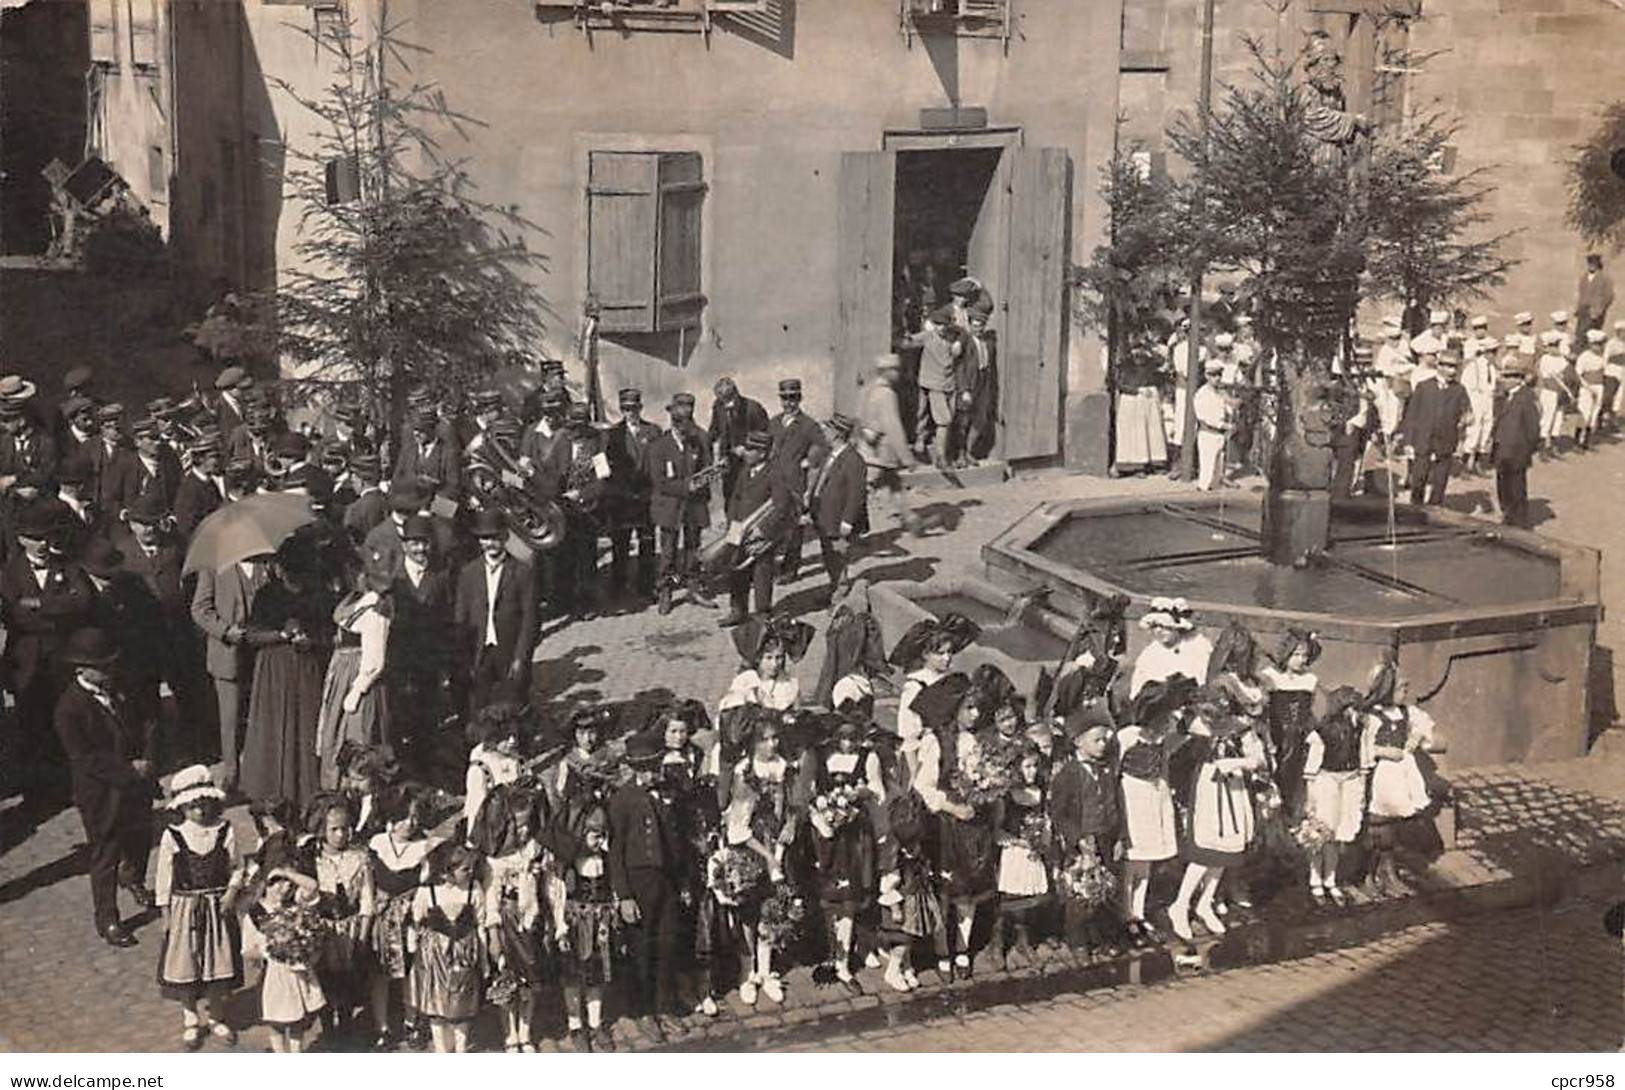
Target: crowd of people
(1452, 397)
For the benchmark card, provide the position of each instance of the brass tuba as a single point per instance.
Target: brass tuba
(758, 532)
(537, 523)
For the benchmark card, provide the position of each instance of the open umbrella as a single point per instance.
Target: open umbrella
(249, 527)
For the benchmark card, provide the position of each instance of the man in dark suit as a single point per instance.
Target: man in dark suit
(76, 511)
(1593, 297)
(418, 659)
(574, 478)
(1431, 428)
(229, 407)
(626, 445)
(733, 417)
(758, 483)
(202, 491)
(648, 862)
(28, 455)
(370, 506)
(1514, 440)
(427, 454)
(383, 545)
(150, 467)
(123, 607)
(79, 432)
(45, 600)
(112, 779)
(221, 604)
(153, 557)
(678, 510)
(110, 442)
(840, 502)
(495, 617)
(797, 447)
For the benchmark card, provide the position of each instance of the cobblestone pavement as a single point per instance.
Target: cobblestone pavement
(63, 989)
(1531, 980)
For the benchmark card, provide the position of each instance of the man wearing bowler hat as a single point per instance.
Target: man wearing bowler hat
(418, 663)
(370, 506)
(45, 600)
(77, 513)
(798, 445)
(626, 446)
(840, 507)
(112, 779)
(679, 507)
(733, 416)
(495, 617)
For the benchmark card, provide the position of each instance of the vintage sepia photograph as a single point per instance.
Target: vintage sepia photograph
(819, 526)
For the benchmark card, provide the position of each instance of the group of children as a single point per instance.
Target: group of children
(670, 847)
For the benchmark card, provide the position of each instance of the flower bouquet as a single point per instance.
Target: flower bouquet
(783, 916)
(503, 990)
(1312, 834)
(731, 873)
(1035, 831)
(837, 807)
(987, 773)
(295, 936)
(1087, 880)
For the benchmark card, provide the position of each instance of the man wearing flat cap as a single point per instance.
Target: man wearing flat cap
(78, 431)
(229, 387)
(202, 490)
(150, 467)
(112, 778)
(940, 348)
(840, 507)
(798, 445)
(576, 476)
(626, 446)
(758, 485)
(679, 505)
(45, 599)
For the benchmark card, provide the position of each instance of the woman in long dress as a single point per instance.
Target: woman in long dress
(355, 702)
(291, 623)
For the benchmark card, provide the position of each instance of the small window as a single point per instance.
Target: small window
(974, 18)
(104, 32)
(143, 16)
(644, 213)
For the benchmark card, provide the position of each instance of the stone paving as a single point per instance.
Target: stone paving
(65, 990)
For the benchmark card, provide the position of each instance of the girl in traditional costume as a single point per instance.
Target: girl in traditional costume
(962, 790)
(1222, 822)
(758, 819)
(1024, 841)
(281, 929)
(195, 885)
(1401, 791)
(926, 652)
(585, 926)
(1154, 734)
(400, 856)
(1337, 754)
(844, 783)
(348, 903)
(1291, 688)
(448, 918)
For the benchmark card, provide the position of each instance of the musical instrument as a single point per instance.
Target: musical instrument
(738, 548)
(491, 470)
(708, 476)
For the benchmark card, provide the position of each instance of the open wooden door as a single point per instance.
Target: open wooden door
(989, 240)
(1032, 361)
(866, 201)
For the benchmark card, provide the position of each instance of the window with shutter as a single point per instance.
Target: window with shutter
(104, 32)
(143, 22)
(964, 18)
(644, 212)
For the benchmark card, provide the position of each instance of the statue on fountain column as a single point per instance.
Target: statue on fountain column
(1340, 133)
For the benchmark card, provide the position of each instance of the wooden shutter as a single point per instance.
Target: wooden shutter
(104, 32)
(622, 204)
(678, 298)
(143, 15)
(865, 204)
(1031, 344)
(643, 239)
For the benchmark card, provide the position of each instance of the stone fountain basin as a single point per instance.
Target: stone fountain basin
(1493, 627)
(1018, 637)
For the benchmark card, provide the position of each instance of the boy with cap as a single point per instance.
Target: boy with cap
(679, 507)
(759, 483)
(1087, 817)
(1516, 437)
(840, 508)
(733, 416)
(230, 388)
(940, 346)
(976, 410)
(1588, 369)
(1479, 378)
(79, 431)
(1565, 333)
(626, 445)
(1432, 340)
(797, 447)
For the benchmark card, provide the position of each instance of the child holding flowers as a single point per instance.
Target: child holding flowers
(283, 929)
(758, 819)
(1086, 816)
(845, 781)
(1024, 839)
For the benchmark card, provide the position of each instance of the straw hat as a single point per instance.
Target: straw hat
(191, 784)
